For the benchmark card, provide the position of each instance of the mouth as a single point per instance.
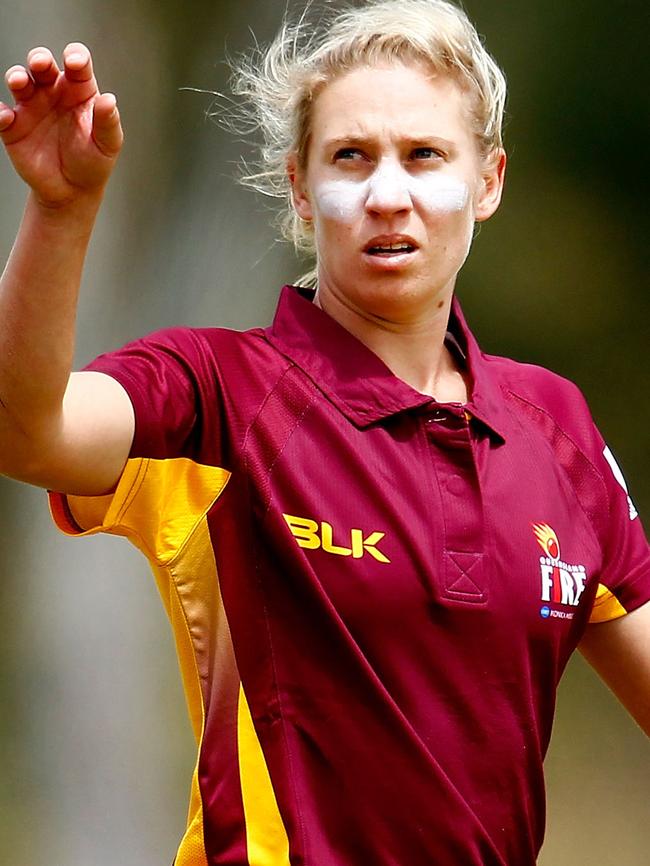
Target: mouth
(390, 246)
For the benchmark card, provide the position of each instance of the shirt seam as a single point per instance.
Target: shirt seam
(578, 448)
(281, 714)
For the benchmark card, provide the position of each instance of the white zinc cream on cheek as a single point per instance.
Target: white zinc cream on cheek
(439, 193)
(341, 200)
(346, 199)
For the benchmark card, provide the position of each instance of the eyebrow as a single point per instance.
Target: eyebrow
(420, 140)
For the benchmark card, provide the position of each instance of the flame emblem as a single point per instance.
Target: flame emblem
(547, 540)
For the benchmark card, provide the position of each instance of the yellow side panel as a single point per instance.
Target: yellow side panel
(185, 650)
(161, 506)
(191, 851)
(189, 586)
(606, 606)
(266, 837)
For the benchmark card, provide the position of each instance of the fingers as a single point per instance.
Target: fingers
(7, 116)
(77, 62)
(20, 83)
(107, 129)
(41, 69)
(42, 66)
(65, 88)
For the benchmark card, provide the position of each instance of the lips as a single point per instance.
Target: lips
(390, 245)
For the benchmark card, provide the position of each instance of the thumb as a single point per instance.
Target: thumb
(106, 128)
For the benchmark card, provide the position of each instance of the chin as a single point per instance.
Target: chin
(392, 300)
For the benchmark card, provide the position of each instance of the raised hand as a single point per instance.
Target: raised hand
(62, 135)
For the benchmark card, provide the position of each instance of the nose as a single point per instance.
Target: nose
(388, 191)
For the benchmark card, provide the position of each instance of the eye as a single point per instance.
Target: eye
(348, 154)
(427, 154)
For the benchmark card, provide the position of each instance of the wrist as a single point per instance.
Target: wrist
(79, 205)
(75, 213)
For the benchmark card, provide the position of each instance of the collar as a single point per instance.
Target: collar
(357, 381)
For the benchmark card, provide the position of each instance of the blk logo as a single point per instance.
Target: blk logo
(561, 582)
(312, 535)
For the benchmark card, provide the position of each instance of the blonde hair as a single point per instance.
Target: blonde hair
(275, 86)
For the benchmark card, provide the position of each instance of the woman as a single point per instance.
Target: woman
(378, 546)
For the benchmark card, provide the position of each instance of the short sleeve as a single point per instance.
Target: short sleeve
(172, 380)
(559, 410)
(174, 469)
(625, 577)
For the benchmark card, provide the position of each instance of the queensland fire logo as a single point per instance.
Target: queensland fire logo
(562, 583)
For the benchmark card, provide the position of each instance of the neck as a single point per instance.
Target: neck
(413, 349)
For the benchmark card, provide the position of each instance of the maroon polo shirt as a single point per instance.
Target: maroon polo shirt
(374, 595)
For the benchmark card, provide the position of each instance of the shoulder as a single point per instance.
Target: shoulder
(546, 399)
(196, 352)
(189, 341)
(552, 410)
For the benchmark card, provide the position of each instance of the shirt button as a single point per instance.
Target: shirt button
(456, 486)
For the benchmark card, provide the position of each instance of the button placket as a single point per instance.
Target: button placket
(463, 575)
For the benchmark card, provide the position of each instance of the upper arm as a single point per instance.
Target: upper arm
(157, 397)
(84, 449)
(619, 651)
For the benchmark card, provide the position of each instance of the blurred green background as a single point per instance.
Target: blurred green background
(95, 751)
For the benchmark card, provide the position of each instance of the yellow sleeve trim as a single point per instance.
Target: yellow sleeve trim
(86, 515)
(606, 606)
(95, 513)
(157, 504)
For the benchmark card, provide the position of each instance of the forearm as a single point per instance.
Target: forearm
(38, 299)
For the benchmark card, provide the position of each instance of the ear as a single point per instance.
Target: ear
(299, 191)
(491, 186)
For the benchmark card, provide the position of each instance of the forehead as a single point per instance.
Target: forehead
(395, 100)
